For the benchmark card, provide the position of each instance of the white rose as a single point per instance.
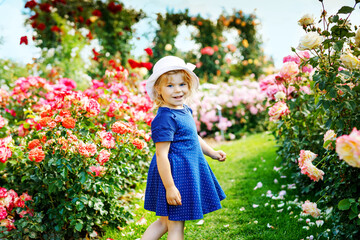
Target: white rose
(279, 95)
(310, 41)
(357, 37)
(168, 47)
(307, 19)
(349, 60)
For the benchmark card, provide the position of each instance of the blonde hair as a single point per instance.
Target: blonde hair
(164, 78)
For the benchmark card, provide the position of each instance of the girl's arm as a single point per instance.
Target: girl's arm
(173, 196)
(208, 151)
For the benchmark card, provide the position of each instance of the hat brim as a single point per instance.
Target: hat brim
(155, 75)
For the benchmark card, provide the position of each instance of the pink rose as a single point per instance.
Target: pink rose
(98, 170)
(207, 51)
(107, 139)
(348, 148)
(289, 70)
(3, 212)
(2, 122)
(311, 208)
(104, 156)
(5, 153)
(279, 109)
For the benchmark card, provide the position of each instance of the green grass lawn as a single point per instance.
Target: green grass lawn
(246, 213)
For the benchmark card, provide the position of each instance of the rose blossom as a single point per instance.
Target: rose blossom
(310, 208)
(330, 135)
(120, 127)
(310, 41)
(305, 20)
(5, 153)
(280, 95)
(2, 122)
(91, 106)
(350, 61)
(289, 70)
(312, 171)
(306, 155)
(306, 166)
(68, 122)
(107, 139)
(87, 150)
(98, 170)
(9, 224)
(3, 212)
(104, 156)
(348, 148)
(138, 143)
(3, 192)
(34, 143)
(357, 37)
(279, 109)
(36, 154)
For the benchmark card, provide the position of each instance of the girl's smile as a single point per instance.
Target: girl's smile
(174, 92)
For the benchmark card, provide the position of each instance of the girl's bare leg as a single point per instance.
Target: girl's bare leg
(175, 230)
(156, 229)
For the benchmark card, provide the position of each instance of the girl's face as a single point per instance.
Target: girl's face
(174, 92)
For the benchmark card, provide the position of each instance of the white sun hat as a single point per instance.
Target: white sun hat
(166, 64)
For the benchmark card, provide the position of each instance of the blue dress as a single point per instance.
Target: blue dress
(200, 191)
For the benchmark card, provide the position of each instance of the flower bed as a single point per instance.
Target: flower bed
(229, 109)
(76, 153)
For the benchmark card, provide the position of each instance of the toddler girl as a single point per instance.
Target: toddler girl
(180, 184)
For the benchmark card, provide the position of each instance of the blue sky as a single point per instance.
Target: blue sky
(278, 28)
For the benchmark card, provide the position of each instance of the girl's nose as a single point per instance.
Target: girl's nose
(177, 88)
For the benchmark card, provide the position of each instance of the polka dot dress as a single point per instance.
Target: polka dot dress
(199, 189)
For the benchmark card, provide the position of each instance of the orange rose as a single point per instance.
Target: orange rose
(68, 122)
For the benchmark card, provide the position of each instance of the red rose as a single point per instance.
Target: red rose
(24, 39)
(133, 63)
(147, 65)
(55, 29)
(149, 51)
(45, 7)
(41, 26)
(97, 13)
(30, 4)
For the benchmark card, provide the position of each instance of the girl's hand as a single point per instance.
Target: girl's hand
(173, 196)
(219, 155)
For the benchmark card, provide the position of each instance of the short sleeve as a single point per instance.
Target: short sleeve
(163, 127)
(191, 111)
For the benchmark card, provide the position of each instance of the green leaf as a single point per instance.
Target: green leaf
(345, 10)
(78, 226)
(83, 177)
(354, 208)
(344, 204)
(352, 215)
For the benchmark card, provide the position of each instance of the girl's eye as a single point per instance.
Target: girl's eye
(183, 84)
(169, 85)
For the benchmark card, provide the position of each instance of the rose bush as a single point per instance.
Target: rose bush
(318, 136)
(78, 154)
